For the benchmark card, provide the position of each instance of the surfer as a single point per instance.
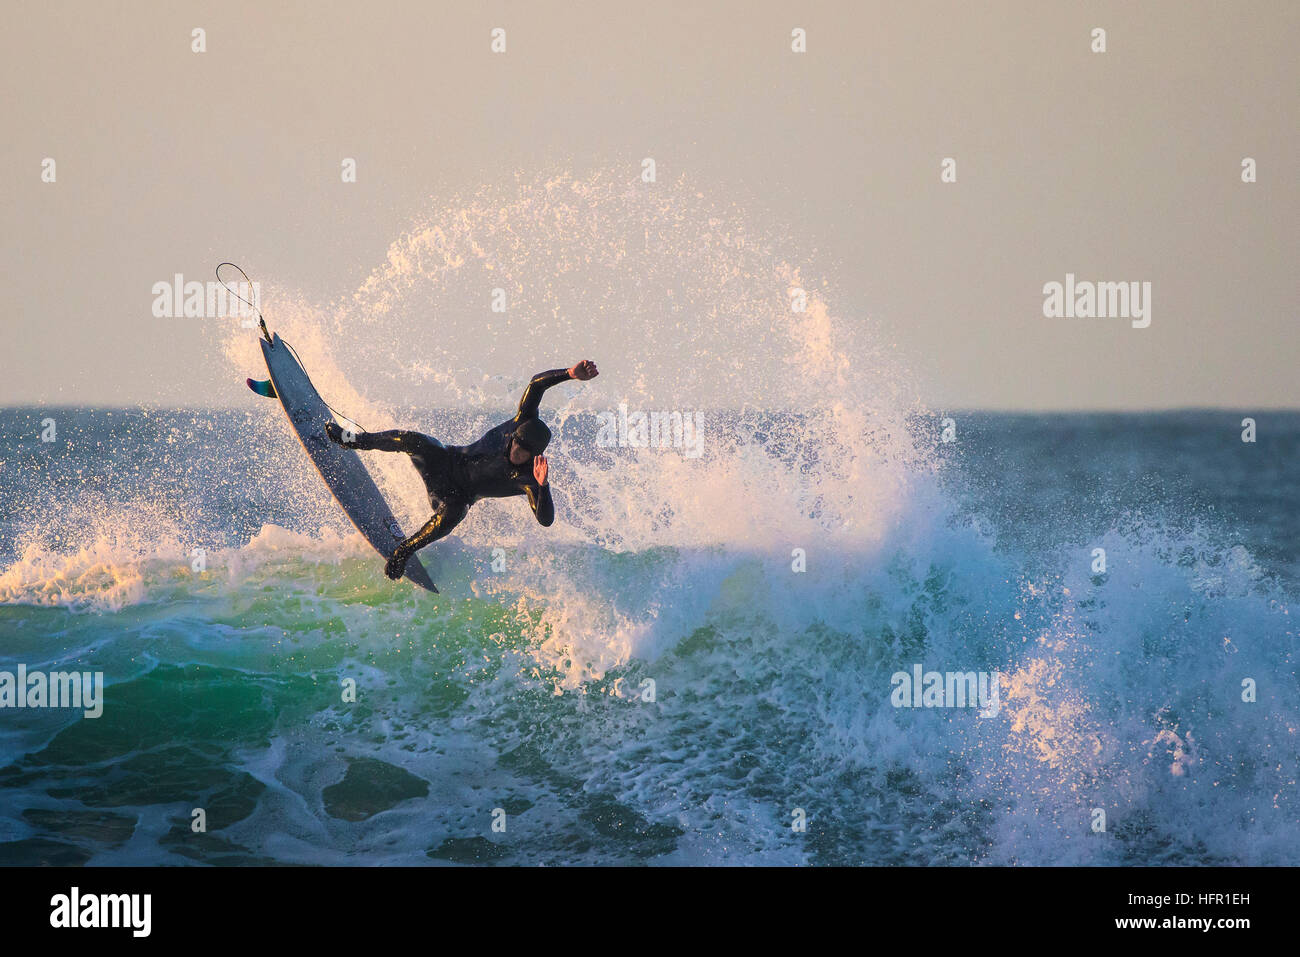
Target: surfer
(507, 461)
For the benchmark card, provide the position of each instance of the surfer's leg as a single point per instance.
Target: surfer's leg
(394, 440)
(450, 514)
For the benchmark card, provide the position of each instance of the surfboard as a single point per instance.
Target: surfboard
(340, 467)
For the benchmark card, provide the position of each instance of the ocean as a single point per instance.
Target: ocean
(697, 665)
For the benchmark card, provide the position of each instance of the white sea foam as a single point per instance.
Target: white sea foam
(1121, 692)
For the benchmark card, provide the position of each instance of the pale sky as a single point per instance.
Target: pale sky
(1115, 166)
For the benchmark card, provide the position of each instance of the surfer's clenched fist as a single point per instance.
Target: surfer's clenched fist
(584, 370)
(540, 469)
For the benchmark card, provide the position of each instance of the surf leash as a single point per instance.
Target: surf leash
(249, 286)
(317, 391)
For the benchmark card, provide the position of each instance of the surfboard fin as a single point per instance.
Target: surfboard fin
(263, 387)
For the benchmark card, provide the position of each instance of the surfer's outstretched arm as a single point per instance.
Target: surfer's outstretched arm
(539, 384)
(582, 371)
(447, 517)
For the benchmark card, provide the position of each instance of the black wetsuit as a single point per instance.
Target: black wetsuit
(457, 476)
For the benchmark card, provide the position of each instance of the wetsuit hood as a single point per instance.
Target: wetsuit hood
(533, 435)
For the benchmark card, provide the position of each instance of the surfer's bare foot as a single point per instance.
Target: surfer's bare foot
(396, 566)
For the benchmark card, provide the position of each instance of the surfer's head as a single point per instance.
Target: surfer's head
(530, 438)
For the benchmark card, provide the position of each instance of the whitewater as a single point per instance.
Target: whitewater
(698, 655)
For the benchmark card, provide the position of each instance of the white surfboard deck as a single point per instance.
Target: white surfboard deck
(340, 467)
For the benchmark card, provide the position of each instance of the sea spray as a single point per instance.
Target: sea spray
(766, 590)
